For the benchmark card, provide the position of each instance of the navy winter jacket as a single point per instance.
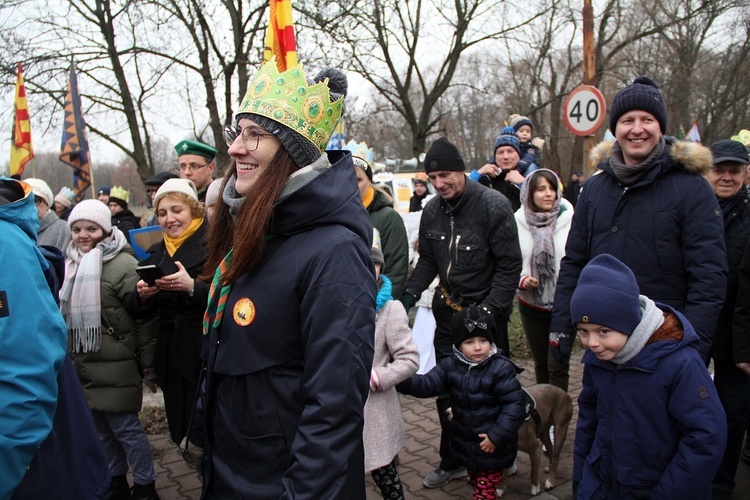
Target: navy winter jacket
(487, 398)
(667, 228)
(653, 425)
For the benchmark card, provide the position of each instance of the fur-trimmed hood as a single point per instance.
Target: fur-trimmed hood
(695, 158)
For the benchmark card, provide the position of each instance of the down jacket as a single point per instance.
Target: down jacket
(667, 228)
(393, 239)
(487, 398)
(289, 365)
(654, 424)
(111, 377)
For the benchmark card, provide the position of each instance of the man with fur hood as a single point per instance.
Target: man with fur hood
(651, 208)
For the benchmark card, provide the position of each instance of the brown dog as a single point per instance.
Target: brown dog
(555, 408)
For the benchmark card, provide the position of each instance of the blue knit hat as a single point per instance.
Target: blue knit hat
(508, 137)
(642, 94)
(607, 294)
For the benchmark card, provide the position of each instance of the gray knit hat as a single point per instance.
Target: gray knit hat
(302, 151)
(642, 94)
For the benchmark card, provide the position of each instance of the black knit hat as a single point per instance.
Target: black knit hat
(443, 156)
(729, 150)
(607, 294)
(473, 321)
(643, 94)
(302, 151)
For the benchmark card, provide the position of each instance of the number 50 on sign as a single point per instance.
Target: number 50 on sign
(584, 110)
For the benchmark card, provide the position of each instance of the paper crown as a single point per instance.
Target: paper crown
(120, 193)
(360, 150)
(68, 193)
(288, 99)
(743, 137)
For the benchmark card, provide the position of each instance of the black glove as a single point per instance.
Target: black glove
(559, 346)
(149, 379)
(408, 300)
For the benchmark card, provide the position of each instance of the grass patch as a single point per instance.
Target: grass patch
(154, 420)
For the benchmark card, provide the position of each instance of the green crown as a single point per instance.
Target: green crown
(288, 99)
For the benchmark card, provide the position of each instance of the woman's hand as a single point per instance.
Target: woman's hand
(177, 282)
(145, 291)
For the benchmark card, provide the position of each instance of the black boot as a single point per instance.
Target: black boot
(144, 492)
(119, 489)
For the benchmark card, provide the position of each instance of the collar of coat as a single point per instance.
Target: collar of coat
(694, 157)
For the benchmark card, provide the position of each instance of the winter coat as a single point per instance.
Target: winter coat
(667, 228)
(736, 231)
(741, 323)
(177, 360)
(526, 242)
(487, 398)
(111, 376)
(507, 189)
(394, 242)
(125, 220)
(396, 359)
(653, 425)
(473, 247)
(572, 191)
(53, 232)
(415, 202)
(38, 442)
(289, 366)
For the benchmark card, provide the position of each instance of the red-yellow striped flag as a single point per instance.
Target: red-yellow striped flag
(280, 41)
(21, 150)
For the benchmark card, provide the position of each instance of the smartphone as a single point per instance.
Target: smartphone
(150, 274)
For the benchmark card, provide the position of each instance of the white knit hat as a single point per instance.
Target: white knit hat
(41, 190)
(184, 186)
(94, 211)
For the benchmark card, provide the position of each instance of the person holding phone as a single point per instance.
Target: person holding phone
(178, 296)
(110, 348)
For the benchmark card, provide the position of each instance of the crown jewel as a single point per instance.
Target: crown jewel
(288, 99)
(120, 193)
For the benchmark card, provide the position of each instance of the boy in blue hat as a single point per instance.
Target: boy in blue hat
(650, 423)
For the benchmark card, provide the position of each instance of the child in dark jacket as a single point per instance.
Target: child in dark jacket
(488, 402)
(531, 148)
(650, 423)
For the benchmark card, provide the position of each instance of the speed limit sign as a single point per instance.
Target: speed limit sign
(584, 110)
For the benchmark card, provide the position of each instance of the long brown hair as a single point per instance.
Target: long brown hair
(535, 180)
(254, 218)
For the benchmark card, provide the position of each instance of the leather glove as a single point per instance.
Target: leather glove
(149, 378)
(408, 300)
(559, 346)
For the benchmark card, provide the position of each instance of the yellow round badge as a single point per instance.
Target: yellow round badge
(244, 312)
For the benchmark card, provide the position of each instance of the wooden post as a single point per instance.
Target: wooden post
(589, 74)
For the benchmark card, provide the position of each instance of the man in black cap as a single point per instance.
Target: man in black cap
(153, 184)
(730, 352)
(652, 209)
(468, 237)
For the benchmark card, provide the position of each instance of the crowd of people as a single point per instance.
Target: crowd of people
(273, 310)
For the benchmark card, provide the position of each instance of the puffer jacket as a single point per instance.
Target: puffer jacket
(393, 240)
(111, 377)
(736, 231)
(288, 367)
(654, 425)
(473, 247)
(667, 228)
(487, 398)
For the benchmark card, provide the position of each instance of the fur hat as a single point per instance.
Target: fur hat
(302, 151)
(94, 211)
(473, 321)
(518, 121)
(184, 186)
(119, 195)
(65, 197)
(643, 94)
(41, 190)
(607, 294)
(508, 137)
(443, 156)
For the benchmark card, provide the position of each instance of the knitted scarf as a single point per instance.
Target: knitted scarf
(80, 295)
(542, 226)
(651, 318)
(385, 293)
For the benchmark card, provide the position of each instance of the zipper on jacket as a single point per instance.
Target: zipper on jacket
(450, 258)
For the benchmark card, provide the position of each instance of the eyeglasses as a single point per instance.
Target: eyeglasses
(191, 166)
(250, 136)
